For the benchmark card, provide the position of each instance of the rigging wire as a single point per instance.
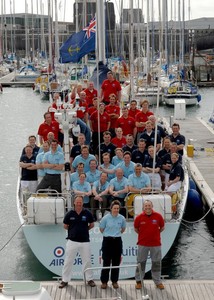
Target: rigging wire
(11, 237)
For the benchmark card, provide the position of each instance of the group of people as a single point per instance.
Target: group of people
(113, 155)
(148, 225)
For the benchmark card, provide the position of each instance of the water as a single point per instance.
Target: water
(21, 111)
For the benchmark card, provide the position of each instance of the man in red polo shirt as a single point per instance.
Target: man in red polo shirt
(48, 126)
(148, 225)
(126, 123)
(110, 86)
(99, 122)
(90, 92)
(133, 110)
(142, 117)
(113, 111)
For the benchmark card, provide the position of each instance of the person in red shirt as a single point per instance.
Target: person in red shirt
(133, 110)
(110, 86)
(126, 123)
(48, 126)
(93, 108)
(99, 123)
(148, 225)
(142, 117)
(119, 140)
(55, 105)
(113, 111)
(82, 112)
(90, 92)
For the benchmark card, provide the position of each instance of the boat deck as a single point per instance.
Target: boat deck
(174, 290)
(200, 134)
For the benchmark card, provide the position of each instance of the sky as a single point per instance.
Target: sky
(198, 8)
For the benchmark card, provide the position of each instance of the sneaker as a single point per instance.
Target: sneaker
(138, 285)
(115, 285)
(63, 284)
(104, 285)
(91, 283)
(160, 286)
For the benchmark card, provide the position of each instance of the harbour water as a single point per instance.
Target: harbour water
(21, 111)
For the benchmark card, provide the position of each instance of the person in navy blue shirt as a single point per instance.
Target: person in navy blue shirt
(140, 154)
(77, 222)
(149, 136)
(28, 170)
(178, 138)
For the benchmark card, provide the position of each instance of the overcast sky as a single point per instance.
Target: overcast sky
(198, 8)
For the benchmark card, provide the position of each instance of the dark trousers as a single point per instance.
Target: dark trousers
(52, 181)
(111, 255)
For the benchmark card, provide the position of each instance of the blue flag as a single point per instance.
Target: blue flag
(79, 44)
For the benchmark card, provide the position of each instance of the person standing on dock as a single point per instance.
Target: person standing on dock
(112, 226)
(77, 222)
(148, 225)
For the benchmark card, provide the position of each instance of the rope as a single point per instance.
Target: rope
(201, 219)
(11, 237)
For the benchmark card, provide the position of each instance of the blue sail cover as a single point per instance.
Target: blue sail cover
(78, 44)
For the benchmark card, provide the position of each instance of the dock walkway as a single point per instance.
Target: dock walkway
(9, 81)
(201, 165)
(174, 290)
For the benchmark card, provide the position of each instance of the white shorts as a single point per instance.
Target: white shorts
(173, 187)
(29, 186)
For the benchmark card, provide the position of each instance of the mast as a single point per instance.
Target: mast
(50, 34)
(101, 32)
(56, 33)
(131, 59)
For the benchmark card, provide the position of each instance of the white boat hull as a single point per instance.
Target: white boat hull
(48, 241)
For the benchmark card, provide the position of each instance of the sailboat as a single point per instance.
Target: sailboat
(41, 216)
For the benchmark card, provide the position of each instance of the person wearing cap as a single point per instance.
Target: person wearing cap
(110, 86)
(99, 123)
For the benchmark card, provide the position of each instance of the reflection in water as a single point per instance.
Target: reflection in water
(21, 111)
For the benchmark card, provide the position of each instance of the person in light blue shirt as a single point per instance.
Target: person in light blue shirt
(75, 175)
(50, 137)
(83, 188)
(84, 157)
(118, 158)
(53, 163)
(100, 192)
(139, 182)
(93, 174)
(107, 167)
(112, 226)
(126, 165)
(39, 161)
(118, 186)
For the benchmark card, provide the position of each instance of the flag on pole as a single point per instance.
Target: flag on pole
(78, 44)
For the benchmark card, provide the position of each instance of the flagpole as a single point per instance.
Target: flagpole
(97, 65)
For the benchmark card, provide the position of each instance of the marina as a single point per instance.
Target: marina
(32, 246)
(28, 93)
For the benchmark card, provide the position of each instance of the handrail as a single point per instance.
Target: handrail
(112, 267)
